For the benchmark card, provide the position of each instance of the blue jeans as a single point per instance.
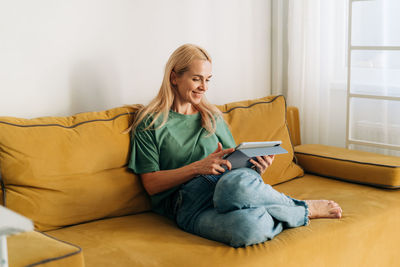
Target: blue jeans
(236, 208)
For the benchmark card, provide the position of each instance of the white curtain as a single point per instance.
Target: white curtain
(316, 68)
(279, 46)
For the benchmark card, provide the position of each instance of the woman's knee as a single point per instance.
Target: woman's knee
(238, 178)
(234, 188)
(239, 174)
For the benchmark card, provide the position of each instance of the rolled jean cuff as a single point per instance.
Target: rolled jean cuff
(305, 205)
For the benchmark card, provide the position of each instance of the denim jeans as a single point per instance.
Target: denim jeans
(236, 208)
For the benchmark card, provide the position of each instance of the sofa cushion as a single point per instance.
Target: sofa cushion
(34, 248)
(350, 165)
(366, 235)
(264, 119)
(66, 170)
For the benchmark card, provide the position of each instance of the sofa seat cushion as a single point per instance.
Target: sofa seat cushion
(350, 165)
(264, 119)
(38, 249)
(60, 171)
(367, 235)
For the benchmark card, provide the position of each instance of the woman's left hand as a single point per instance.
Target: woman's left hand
(262, 163)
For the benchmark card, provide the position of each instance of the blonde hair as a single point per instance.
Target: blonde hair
(179, 62)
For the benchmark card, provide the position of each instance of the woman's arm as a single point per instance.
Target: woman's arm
(159, 181)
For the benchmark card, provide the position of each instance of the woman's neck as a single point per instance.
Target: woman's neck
(186, 109)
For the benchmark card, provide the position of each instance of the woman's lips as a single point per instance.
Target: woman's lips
(197, 94)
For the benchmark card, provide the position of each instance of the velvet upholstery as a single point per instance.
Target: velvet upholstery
(368, 227)
(80, 161)
(351, 165)
(38, 249)
(113, 224)
(59, 171)
(264, 119)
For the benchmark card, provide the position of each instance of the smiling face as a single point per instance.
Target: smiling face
(191, 86)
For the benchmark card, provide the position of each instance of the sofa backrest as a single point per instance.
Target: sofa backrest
(264, 119)
(60, 171)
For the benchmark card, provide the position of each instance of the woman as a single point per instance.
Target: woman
(178, 144)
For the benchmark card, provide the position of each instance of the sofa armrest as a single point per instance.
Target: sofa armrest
(350, 165)
(2, 192)
(293, 123)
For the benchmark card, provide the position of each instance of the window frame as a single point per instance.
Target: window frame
(351, 48)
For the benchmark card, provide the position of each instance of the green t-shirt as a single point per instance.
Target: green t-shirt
(181, 141)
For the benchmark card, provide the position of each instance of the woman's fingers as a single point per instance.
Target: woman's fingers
(226, 163)
(214, 163)
(269, 159)
(219, 148)
(220, 164)
(262, 163)
(259, 167)
(218, 168)
(225, 151)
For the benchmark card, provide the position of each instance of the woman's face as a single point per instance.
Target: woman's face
(193, 83)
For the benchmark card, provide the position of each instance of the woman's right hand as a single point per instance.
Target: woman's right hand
(212, 164)
(159, 181)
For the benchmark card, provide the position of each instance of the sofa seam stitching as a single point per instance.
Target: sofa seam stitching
(63, 126)
(56, 258)
(256, 103)
(381, 186)
(294, 159)
(348, 160)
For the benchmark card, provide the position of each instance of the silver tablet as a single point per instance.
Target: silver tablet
(247, 150)
(246, 145)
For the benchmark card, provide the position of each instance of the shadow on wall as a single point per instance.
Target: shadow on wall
(94, 86)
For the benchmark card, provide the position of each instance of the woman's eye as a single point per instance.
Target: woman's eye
(196, 80)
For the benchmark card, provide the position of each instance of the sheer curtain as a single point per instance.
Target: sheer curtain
(313, 75)
(316, 68)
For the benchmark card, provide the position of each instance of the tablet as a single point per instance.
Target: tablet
(247, 150)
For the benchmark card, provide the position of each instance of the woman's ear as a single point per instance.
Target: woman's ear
(173, 78)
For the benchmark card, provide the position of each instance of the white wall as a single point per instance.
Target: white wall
(62, 57)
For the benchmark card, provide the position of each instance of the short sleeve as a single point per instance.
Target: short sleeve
(224, 134)
(144, 151)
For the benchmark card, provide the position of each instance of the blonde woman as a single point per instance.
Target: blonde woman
(178, 144)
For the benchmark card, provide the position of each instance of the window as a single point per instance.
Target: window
(373, 88)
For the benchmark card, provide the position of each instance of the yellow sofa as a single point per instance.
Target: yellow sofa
(69, 175)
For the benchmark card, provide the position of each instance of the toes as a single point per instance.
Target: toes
(337, 215)
(336, 212)
(333, 204)
(336, 205)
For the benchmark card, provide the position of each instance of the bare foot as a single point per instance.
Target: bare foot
(323, 209)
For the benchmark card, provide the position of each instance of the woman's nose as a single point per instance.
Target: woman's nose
(204, 86)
